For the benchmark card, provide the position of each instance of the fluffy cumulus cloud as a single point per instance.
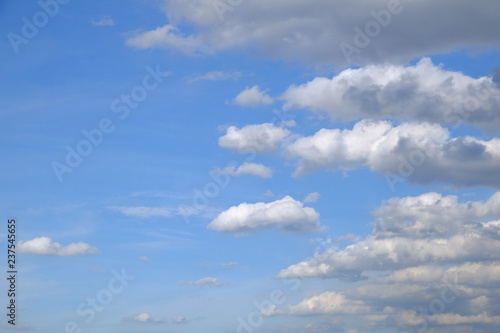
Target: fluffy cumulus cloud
(431, 262)
(431, 214)
(328, 303)
(247, 168)
(390, 253)
(419, 152)
(423, 92)
(253, 97)
(328, 32)
(46, 246)
(413, 231)
(285, 214)
(261, 138)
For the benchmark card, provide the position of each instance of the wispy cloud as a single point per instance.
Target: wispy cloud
(217, 76)
(104, 21)
(206, 281)
(246, 168)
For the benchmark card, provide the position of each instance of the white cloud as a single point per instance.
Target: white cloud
(104, 21)
(328, 303)
(261, 138)
(246, 168)
(285, 214)
(217, 76)
(417, 274)
(296, 30)
(253, 97)
(312, 197)
(180, 320)
(390, 292)
(207, 281)
(423, 92)
(421, 153)
(144, 318)
(407, 265)
(144, 258)
(456, 319)
(45, 246)
(476, 274)
(383, 254)
(380, 254)
(169, 37)
(431, 214)
(479, 304)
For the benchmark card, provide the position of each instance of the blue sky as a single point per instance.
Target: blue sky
(237, 156)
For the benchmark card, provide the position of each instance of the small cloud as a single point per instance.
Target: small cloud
(45, 246)
(180, 320)
(253, 97)
(347, 237)
(269, 194)
(217, 76)
(144, 318)
(312, 197)
(246, 168)
(285, 214)
(207, 281)
(144, 258)
(104, 21)
(229, 264)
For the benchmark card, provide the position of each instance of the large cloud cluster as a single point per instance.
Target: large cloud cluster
(314, 32)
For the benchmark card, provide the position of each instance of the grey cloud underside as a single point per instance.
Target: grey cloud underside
(414, 231)
(311, 31)
(425, 253)
(495, 73)
(419, 153)
(423, 92)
